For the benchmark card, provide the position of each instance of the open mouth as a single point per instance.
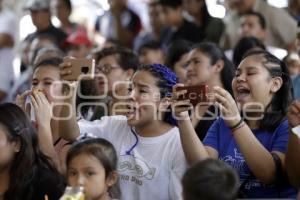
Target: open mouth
(131, 111)
(242, 93)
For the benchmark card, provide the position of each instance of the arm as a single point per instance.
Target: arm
(293, 151)
(68, 128)
(191, 144)
(257, 157)
(42, 113)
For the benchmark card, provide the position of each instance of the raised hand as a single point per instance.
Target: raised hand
(21, 100)
(227, 105)
(42, 108)
(180, 108)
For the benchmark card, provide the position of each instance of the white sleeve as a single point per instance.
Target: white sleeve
(98, 128)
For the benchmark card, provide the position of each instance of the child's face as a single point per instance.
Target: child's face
(144, 99)
(253, 82)
(47, 79)
(180, 68)
(7, 149)
(86, 170)
(199, 69)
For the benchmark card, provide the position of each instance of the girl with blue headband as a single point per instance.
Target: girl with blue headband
(148, 145)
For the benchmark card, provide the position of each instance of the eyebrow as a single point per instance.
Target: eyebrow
(247, 67)
(45, 79)
(141, 85)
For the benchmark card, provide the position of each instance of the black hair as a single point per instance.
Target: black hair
(215, 54)
(276, 111)
(261, 19)
(101, 149)
(205, 14)
(244, 45)
(54, 61)
(176, 50)
(166, 79)
(29, 158)
(125, 57)
(171, 3)
(210, 179)
(152, 44)
(68, 4)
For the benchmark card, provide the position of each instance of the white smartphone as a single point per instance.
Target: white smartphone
(29, 107)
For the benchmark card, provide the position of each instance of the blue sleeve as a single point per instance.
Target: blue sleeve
(212, 137)
(280, 137)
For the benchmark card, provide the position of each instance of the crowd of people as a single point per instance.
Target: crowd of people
(133, 131)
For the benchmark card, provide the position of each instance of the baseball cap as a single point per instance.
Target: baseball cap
(79, 37)
(37, 5)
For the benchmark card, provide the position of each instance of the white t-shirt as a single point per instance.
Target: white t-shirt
(153, 169)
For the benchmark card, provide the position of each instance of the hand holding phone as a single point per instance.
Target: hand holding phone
(78, 67)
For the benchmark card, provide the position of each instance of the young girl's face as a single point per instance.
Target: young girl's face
(253, 82)
(7, 149)
(144, 99)
(199, 69)
(180, 68)
(47, 79)
(86, 170)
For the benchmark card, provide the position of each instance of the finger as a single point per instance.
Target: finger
(174, 89)
(36, 96)
(222, 100)
(222, 109)
(223, 92)
(33, 102)
(43, 98)
(296, 104)
(294, 109)
(65, 72)
(65, 65)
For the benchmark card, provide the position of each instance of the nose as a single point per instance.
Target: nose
(189, 66)
(132, 95)
(241, 78)
(80, 181)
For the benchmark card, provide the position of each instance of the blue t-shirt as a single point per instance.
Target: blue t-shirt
(220, 138)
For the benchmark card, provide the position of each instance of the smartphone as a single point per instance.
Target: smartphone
(29, 108)
(196, 94)
(80, 66)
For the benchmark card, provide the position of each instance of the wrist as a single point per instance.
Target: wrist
(241, 125)
(237, 124)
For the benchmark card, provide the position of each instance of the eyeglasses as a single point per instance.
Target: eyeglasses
(106, 69)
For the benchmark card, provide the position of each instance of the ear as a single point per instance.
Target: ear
(112, 179)
(276, 84)
(218, 66)
(164, 104)
(129, 73)
(263, 34)
(17, 145)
